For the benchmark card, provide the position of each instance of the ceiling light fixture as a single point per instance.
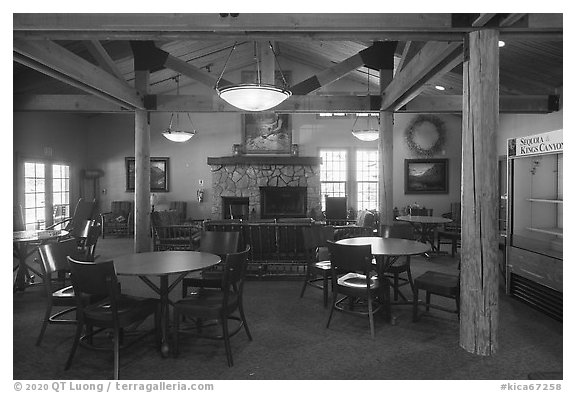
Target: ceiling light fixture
(253, 97)
(438, 87)
(177, 133)
(501, 44)
(369, 133)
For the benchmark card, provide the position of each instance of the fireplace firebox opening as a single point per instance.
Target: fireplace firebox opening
(283, 202)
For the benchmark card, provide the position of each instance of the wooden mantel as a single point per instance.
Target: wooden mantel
(264, 160)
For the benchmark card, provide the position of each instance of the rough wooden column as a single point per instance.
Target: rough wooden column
(479, 262)
(142, 242)
(386, 154)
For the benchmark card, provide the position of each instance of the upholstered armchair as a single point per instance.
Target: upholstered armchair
(119, 220)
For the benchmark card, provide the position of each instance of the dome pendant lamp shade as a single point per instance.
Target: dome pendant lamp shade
(177, 134)
(369, 133)
(366, 135)
(253, 97)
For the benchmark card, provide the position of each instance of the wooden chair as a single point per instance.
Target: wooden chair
(437, 283)
(352, 277)
(214, 242)
(218, 305)
(317, 257)
(450, 233)
(118, 220)
(58, 294)
(84, 211)
(115, 312)
(401, 265)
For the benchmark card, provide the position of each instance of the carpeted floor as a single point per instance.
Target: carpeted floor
(291, 341)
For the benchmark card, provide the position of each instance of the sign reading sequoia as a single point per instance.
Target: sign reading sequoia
(548, 142)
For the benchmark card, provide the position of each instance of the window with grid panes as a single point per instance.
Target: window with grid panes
(34, 195)
(333, 173)
(60, 192)
(367, 179)
(46, 194)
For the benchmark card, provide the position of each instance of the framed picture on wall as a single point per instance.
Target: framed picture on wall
(158, 174)
(266, 132)
(426, 176)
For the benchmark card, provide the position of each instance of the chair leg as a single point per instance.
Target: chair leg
(396, 290)
(77, 335)
(44, 323)
(117, 334)
(370, 316)
(409, 275)
(427, 301)
(334, 295)
(226, 337)
(325, 288)
(415, 304)
(175, 329)
(306, 279)
(243, 317)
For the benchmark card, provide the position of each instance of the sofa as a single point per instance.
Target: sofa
(170, 231)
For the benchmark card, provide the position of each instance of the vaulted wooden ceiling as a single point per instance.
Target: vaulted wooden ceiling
(85, 62)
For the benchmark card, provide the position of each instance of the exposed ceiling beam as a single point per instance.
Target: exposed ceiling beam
(337, 71)
(104, 60)
(296, 104)
(508, 104)
(435, 59)
(482, 20)
(511, 19)
(57, 62)
(278, 27)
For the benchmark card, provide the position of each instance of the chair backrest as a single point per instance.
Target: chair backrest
(234, 271)
(400, 231)
(18, 219)
(336, 208)
(53, 256)
(93, 278)
(348, 258)
(220, 243)
(94, 231)
(316, 236)
(180, 207)
(366, 219)
(421, 211)
(121, 207)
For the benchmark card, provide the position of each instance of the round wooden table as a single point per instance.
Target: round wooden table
(163, 264)
(387, 251)
(424, 227)
(22, 241)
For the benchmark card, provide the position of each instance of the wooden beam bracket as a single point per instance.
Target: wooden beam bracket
(147, 57)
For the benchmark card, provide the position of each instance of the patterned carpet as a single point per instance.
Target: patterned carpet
(292, 343)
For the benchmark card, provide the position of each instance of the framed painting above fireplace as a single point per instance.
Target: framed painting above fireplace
(266, 133)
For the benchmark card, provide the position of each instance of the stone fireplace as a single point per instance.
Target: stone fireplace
(259, 179)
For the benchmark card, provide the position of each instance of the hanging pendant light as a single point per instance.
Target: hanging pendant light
(177, 133)
(368, 133)
(253, 97)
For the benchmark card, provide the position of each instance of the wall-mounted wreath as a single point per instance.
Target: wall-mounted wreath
(425, 135)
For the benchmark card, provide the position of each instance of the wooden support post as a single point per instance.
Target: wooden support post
(479, 262)
(142, 242)
(267, 65)
(386, 153)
